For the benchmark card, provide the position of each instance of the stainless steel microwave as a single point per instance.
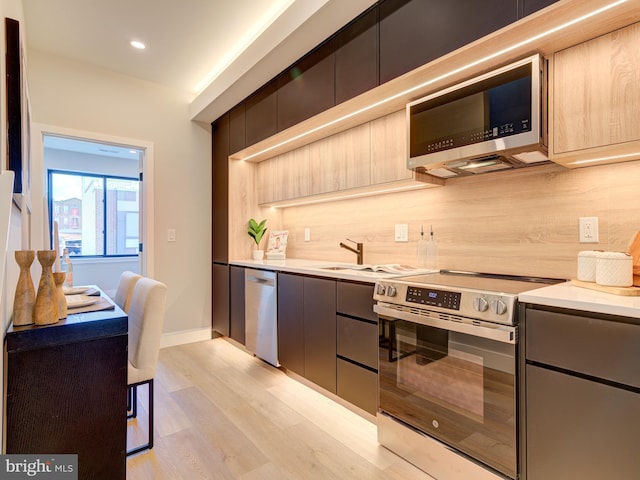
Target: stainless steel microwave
(492, 122)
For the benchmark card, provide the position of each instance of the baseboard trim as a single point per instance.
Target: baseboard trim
(172, 339)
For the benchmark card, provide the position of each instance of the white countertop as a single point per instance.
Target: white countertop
(314, 267)
(566, 295)
(562, 295)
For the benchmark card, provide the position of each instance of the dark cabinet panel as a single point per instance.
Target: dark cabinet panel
(358, 386)
(357, 341)
(65, 392)
(616, 343)
(357, 345)
(291, 322)
(356, 299)
(581, 406)
(306, 88)
(220, 185)
(356, 57)
(220, 298)
(415, 32)
(531, 6)
(320, 332)
(236, 305)
(580, 429)
(237, 128)
(260, 114)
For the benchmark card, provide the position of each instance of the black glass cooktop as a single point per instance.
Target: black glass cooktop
(487, 282)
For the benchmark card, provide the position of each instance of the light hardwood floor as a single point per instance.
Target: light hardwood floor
(224, 414)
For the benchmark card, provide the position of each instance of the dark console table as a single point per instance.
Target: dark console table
(66, 391)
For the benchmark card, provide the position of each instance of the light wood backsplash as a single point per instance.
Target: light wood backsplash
(521, 222)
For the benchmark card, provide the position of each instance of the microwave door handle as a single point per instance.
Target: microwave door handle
(500, 333)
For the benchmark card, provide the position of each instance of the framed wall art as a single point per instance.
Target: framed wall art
(17, 113)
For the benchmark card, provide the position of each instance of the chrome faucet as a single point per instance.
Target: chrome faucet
(359, 250)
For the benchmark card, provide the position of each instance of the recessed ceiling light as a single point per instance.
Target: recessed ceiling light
(137, 44)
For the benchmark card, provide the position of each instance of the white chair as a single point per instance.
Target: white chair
(126, 283)
(146, 317)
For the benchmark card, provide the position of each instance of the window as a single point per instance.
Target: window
(97, 215)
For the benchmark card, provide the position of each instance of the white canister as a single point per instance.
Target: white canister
(614, 269)
(587, 265)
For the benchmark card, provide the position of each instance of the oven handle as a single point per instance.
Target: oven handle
(500, 333)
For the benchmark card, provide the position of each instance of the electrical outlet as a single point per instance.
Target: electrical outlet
(171, 235)
(402, 232)
(589, 230)
(307, 234)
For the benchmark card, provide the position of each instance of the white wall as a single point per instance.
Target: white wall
(56, 159)
(72, 95)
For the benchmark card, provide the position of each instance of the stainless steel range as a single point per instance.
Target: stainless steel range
(448, 371)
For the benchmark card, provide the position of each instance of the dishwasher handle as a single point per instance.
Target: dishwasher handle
(267, 282)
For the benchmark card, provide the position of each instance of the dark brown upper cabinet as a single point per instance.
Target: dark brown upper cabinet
(220, 186)
(307, 87)
(260, 114)
(415, 32)
(356, 57)
(531, 6)
(391, 38)
(237, 130)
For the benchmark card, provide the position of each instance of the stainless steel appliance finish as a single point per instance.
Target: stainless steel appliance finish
(492, 122)
(448, 371)
(261, 314)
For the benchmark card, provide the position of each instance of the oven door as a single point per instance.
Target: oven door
(456, 387)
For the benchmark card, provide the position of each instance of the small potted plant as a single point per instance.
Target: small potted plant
(256, 231)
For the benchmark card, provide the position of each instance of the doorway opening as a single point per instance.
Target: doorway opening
(95, 197)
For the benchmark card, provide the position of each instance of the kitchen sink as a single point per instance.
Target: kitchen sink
(354, 269)
(343, 266)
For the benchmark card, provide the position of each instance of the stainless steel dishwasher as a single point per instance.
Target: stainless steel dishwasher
(261, 314)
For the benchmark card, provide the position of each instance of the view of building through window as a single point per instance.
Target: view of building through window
(97, 215)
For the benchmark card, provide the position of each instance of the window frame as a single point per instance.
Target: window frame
(104, 178)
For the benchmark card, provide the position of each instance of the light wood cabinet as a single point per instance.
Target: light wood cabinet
(268, 182)
(595, 99)
(284, 177)
(360, 159)
(293, 174)
(389, 149)
(341, 161)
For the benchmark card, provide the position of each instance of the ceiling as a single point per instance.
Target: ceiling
(217, 51)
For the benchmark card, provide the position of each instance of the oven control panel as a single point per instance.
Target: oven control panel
(434, 298)
(497, 307)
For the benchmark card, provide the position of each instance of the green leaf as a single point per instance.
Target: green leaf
(257, 230)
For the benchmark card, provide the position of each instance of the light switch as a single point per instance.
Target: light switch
(171, 235)
(307, 234)
(402, 232)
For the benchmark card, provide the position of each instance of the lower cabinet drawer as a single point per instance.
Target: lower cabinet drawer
(603, 348)
(358, 341)
(358, 385)
(579, 429)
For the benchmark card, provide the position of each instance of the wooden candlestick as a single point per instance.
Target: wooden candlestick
(46, 308)
(58, 278)
(25, 297)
